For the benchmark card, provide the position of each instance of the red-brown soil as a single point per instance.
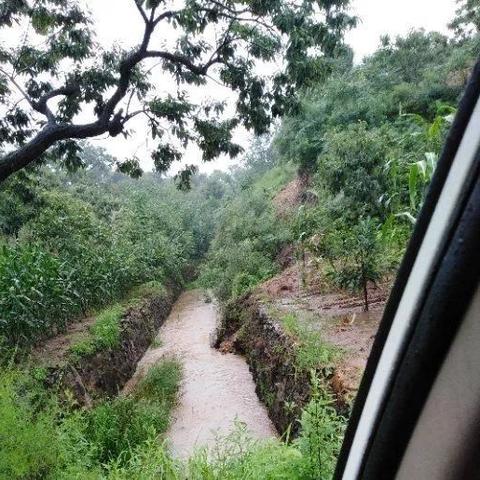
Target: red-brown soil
(289, 198)
(54, 351)
(338, 315)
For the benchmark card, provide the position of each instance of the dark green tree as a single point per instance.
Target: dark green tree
(67, 73)
(467, 20)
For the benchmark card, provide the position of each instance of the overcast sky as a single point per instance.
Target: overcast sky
(378, 17)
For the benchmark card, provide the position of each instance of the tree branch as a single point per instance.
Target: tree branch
(108, 119)
(41, 105)
(50, 134)
(17, 86)
(141, 10)
(176, 58)
(164, 15)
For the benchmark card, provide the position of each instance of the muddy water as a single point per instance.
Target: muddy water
(216, 388)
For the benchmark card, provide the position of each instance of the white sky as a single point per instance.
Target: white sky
(123, 25)
(396, 17)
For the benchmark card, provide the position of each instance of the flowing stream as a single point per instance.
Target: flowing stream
(216, 389)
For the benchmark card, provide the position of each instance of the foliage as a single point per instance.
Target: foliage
(405, 76)
(82, 244)
(351, 170)
(248, 238)
(312, 351)
(118, 439)
(36, 293)
(467, 21)
(360, 258)
(41, 439)
(104, 333)
(160, 382)
(321, 437)
(118, 427)
(237, 457)
(59, 59)
(145, 290)
(365, 141)
(29, 447)
(369, 138)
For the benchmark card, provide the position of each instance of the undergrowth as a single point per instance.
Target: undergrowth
(122, 438)
(145, 290)
(103, 334)
(41, 438)
(105, 331)
(312, 351)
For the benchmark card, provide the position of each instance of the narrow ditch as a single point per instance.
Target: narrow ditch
(217, 388)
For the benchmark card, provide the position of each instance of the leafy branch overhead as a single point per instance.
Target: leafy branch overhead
(58, 73)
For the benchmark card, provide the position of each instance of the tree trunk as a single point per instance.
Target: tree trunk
(365, 290)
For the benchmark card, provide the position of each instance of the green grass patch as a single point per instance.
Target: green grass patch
(39, 438)
(276, 178)
(118, 427)
(161, 382)
(28, 446)
(104, 333)
(106, 329)
(146, 290)
(82, 348)
(157, 343)
(312, 351)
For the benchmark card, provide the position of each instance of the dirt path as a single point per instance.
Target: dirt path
(216, 389)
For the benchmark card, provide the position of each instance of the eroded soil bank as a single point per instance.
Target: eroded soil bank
(252, 325)
(105, 372)
(217, 389)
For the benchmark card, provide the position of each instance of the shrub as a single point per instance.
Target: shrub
(321, 436)
(247, 242)
(29, 445)
(103, 334)
(106, 329)
(312, 351)
(41, 439)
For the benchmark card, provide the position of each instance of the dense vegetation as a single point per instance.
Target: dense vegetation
(43, 439)
(249, 234)
(364, 141)
(119, 438)
(72, 243)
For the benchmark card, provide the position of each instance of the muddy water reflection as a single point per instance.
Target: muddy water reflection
(216, 387)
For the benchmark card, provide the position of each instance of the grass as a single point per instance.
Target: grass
(312, 351)
(119, 426)
(28, 440)
(121, 439)
(157, 343)
(160, 382)
(276, 178)
(39, 438)
(105, 331)
(146, 290)
(103, 334)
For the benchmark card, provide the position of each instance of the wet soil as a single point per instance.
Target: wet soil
(338, 315)
(217, 388)
(103, 372)
(53, 352)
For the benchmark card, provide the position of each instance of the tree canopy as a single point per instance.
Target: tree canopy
(59, 72)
